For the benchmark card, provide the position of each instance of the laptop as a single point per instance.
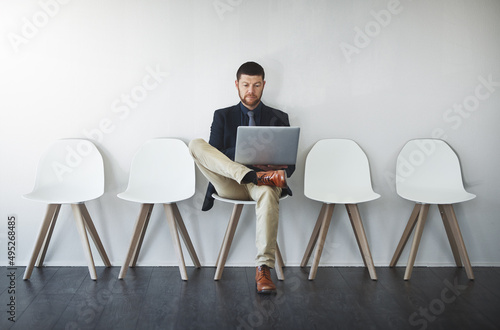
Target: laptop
(267, 145)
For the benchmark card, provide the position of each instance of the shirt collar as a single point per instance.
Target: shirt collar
(256, 111)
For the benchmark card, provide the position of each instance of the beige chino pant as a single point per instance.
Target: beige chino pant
(226, 177)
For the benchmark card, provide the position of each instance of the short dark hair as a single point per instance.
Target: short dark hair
(251, 69)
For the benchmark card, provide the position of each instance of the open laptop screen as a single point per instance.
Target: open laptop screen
(267, 145)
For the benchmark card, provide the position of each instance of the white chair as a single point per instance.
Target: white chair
(70, 172)
(428, 172)
(229, 235)
(337, 172)
(162, 171)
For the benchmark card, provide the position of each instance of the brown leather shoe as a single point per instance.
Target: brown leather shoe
(263, 280)
(272, 178)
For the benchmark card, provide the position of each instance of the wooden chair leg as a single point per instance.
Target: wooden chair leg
(422, 216)
(42, 235)
(314, 237)
(451, 238)
(452, 219)
(279, 256)
(322, 237)
(147, 209)
(223, 240)
(93, 234)
(185, 236)
(235, 213)
(228, 239)
(45, 245)
(406, 234)
(359, 232)
(348, 208)
(279, 264)
(175, 238)
(139, 225)
(82, 230)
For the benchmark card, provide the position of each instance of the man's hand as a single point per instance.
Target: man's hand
(270, 167)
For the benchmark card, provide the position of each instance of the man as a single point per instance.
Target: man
(264, 184)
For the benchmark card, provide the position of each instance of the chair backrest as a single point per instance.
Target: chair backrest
(428, 171)
(337, 171)
(70, 171)
(162, 171)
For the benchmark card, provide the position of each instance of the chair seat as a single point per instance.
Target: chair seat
(60, 196)
(151, 195)
(238, 201)
(345, 197)
(435, 196)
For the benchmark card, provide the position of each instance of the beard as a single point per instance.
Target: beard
(250, 101)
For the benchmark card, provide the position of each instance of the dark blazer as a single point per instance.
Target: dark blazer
(223, 136)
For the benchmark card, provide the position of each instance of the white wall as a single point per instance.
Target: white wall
(65, 68)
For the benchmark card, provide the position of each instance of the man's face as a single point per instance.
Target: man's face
(250, 89)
